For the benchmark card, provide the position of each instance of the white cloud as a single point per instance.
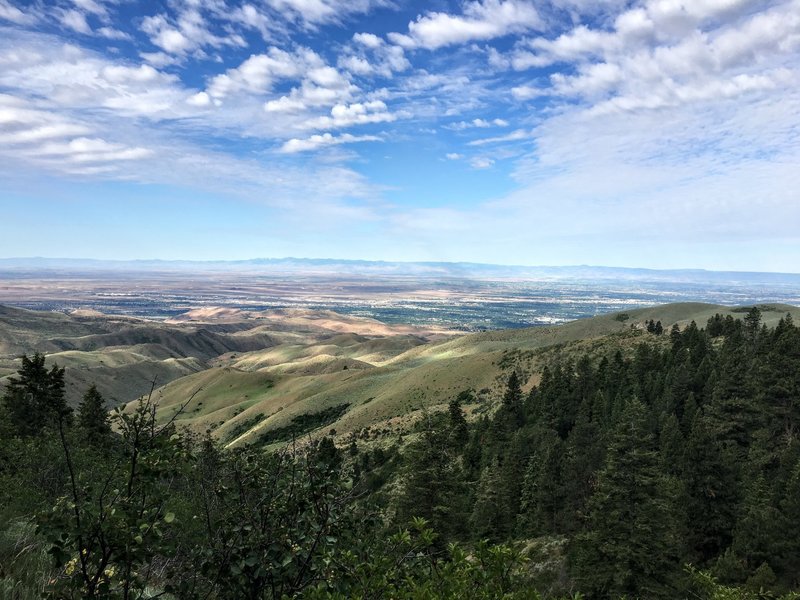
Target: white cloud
(113, 34)
(75, 20)
(370, 40)
(159, 59)
(654, 110)
(347, 115)
(259, 72)
(43, 132)
(9, 12)
(481, 162)
(92, 7)
(527, 92)
(318, 141)
(188, 31)
(75, 79)
(370, 55)
(312, 13)
(254, 18)
(322, 86)
(514, 136)
(199, 99)
(73, 112)
(477, 123)
(89, 150)
(481, 20)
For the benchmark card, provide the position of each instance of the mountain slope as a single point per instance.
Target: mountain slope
(389, 394)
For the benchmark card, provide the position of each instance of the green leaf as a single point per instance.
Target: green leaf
(169, 517)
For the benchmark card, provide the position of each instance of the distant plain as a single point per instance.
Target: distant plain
(462, 297)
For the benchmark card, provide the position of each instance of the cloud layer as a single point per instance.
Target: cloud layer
(649, 122)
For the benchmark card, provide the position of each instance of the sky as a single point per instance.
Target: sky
(652, 133)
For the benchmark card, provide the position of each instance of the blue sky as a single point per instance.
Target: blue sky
(655, 133)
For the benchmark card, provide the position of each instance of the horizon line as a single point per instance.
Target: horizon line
(382, 262)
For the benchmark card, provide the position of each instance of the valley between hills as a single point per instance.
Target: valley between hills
(270, 376)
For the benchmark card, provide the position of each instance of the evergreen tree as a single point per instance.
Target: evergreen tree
(757, 531)
(709, 473)
(542, 497)
(671, 444)
(459, 431)
(35, 397)
(93, 417)
(488, 518)
(511, 414)
(752, 324)
(584, 455)
(789, 547)
(433, 483)
(632, 540)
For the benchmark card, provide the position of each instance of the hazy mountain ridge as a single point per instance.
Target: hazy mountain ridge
(417, 269)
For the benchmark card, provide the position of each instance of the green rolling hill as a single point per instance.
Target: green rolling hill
(254, 374)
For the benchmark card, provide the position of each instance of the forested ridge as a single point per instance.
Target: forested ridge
(671, 471)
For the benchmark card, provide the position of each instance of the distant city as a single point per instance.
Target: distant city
(459, 296)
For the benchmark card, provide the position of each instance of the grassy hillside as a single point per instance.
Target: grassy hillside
(389, 381)
(257, 372)
(125, 355)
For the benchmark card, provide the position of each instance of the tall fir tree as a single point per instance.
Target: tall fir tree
(710, 476)
(93, 417)
(34, 398)
(631, 544)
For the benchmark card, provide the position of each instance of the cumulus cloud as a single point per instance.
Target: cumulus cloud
(317, 141)
(480, 20)
(369, 55)
(259, 72)
(346, 115)
(527, 92)
(75, 79)
(186, 32)
(76, 21)
(199, 99)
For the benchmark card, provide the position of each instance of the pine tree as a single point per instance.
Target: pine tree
(584, 455)
(789, 548)
(487, 520)
(459, 432)
(433, 483)
(35, 398)
(757, 531)
(752, 324)
(511, 414)
(632, 540)
(93, 417)
(709, 473)
(542, 498)
(671, 444)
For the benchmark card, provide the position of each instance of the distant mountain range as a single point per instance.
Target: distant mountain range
(338, 267)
